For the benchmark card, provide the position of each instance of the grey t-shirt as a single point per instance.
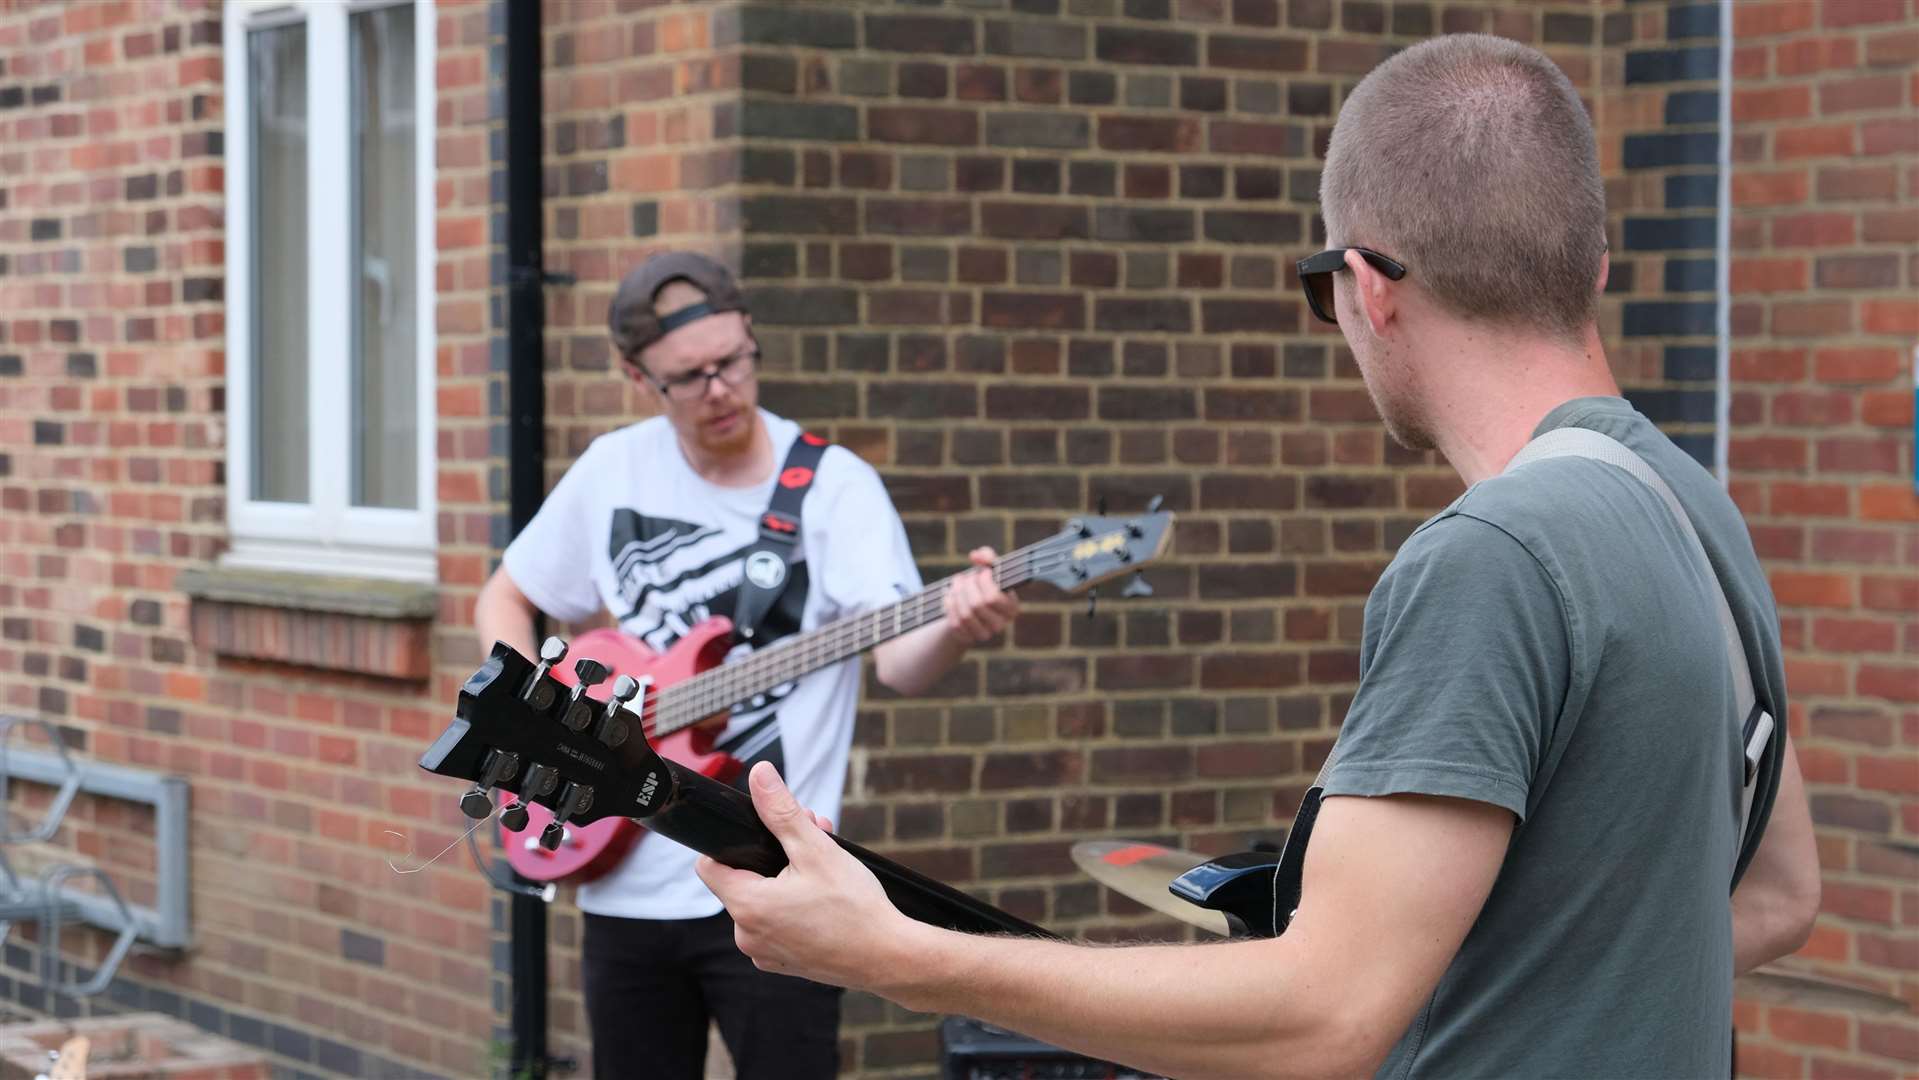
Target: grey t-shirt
(1548, 644)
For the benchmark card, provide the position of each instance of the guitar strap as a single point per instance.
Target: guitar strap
(1763, 753)
(766, 563)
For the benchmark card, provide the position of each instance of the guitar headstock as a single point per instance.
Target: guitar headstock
(518, 729)
(1095, 548)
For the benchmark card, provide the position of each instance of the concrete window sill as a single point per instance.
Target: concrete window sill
(367, 626)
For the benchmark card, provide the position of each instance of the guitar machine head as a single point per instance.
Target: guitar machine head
(518, 729)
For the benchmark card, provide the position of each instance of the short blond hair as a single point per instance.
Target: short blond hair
(1470, 159)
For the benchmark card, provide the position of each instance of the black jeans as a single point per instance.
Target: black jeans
(652, 985)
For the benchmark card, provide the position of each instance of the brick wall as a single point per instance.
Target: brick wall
(111, 483)
(1825, 187)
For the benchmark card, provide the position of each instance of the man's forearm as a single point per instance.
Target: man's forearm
(1235, 1009)
(500, 615)
(914, 661)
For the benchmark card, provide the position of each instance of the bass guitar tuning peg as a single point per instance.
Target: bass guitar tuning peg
(514, 817)
(1137, 586)
(1153, 504)
(1092, 601)
(540, 689)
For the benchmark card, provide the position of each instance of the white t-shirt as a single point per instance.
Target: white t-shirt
(632, 529)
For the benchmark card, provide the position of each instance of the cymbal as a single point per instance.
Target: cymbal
(1779, 986)
(1141, 872)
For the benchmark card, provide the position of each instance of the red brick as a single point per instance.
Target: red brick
(1817, 229)
(1837, 14)
(1861, 94)
(1860, 453)
(1890, 316)
(1769, 275)
(1810, 1029)
(1878, 183)
(1893, 135)
(1806, 589)
(1825, 140)
(1769, 189)
(1771, 103)
(1812, 318)
(1770, 18)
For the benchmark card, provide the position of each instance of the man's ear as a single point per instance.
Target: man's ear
(1373, 292)
(1605, 268)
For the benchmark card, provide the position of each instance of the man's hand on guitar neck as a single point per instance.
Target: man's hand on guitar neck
(824, 898)
(1391, 887)
(975, 610)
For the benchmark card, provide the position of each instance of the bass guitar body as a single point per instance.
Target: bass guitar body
(590, 851)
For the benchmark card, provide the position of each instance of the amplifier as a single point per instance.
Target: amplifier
(971, 1050)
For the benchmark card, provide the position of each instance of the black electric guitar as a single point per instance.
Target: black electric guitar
(587, 760)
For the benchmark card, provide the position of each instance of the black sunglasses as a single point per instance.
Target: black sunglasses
(1316, 276)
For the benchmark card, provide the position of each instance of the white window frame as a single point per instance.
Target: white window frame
(326, 534)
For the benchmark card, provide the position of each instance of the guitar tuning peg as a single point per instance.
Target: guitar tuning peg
(590, 672)
(1092, 601)
(540, 689)
(1099, 504)
(475, 803)
(1153, 504)
(514, 817)
(1138, 586)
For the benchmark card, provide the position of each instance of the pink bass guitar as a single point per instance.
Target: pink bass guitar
(689, 684)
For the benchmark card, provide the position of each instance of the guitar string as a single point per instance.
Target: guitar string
(408, 841)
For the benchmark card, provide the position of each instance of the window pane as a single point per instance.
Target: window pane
(386, 361)
(278, 59)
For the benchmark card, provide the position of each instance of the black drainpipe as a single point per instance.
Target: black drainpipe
(525, 447)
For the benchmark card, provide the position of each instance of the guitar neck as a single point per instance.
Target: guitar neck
(686, 703)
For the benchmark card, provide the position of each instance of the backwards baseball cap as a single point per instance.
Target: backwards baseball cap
(631, 318)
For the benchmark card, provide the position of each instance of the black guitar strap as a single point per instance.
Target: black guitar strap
(766, 562)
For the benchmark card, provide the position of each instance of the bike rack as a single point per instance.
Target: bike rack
(49, 900)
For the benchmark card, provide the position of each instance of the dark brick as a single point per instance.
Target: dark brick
(979, 173)
(1036, 176)
(1675, 406)
(1055, 40)
(1691, 363)
(778, 24)
(1091, 87)
(1031, 401)
(1139, 403)
(1656, 318)
(1660, 149)
(1134, 314)
(1414, 20)
(1224, 316)
(1249, 53)
(1030, 491)
(918, 217)
(921, 80)
(1692, 107)
(761, 119)
(1156, 10)
(1691, 275)
(1251, 405)
(1033, 221)
(1201, 181)
(1201, 94)
(362, 948)
(1683, 22)
(785, 306)
(1129, 45)
(1692, 190)
(1168, 135)
(1561, 28)
(1256, 12)
(1670, 234)
(1046, 130)
(1132, 224)
(1032, 310)
(979, 82)
(1252, 227)
(931, 126)
(1672, 65)
(920, 33)
(920, 400)
(1064, 675)
(1092, 178)
(800, 214)
(1363, 17)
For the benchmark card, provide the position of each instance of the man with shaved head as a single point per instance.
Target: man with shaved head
(1527, 858)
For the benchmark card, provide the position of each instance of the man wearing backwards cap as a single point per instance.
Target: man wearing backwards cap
(653, 523)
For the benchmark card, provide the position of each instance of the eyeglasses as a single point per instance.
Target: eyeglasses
(692, 385)
(1316, 276)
